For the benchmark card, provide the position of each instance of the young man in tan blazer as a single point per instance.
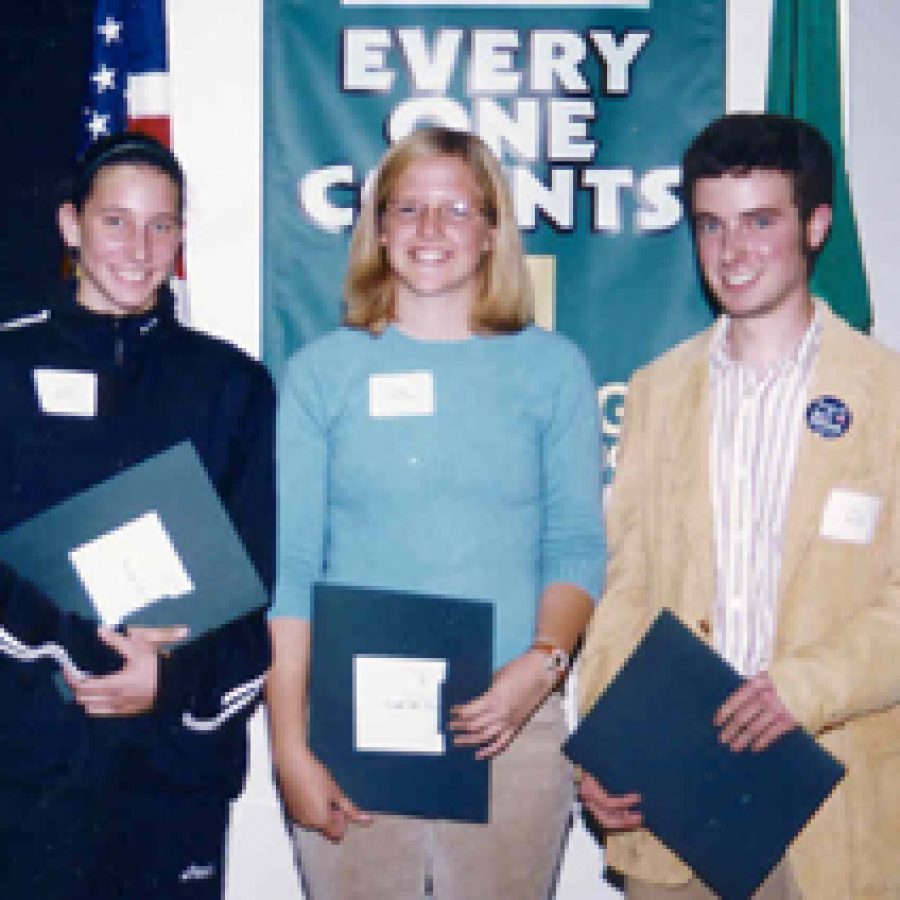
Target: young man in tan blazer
(757, 495)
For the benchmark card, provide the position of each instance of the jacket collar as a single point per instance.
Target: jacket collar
(100, 333)
(687, 446)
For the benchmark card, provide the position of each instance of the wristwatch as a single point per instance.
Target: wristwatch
(557, 659)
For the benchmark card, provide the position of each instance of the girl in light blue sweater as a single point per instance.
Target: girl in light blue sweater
(440, 443)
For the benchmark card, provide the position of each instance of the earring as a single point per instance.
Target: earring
(71, 267)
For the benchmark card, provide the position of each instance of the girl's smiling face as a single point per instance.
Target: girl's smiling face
(127, 234)
(434, 231)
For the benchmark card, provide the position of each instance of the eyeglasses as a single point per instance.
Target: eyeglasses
(448, 212)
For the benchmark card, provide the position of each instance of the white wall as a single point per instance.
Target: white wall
(215, 56)
(874, 152)
(215, 62)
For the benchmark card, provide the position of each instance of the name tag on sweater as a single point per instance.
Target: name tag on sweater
(66, 392)
(850, 516)
(401, 394)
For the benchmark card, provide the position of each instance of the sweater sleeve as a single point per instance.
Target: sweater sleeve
(302, 465)
(572, 542)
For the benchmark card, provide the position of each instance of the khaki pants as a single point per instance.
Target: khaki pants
(780, 885)
(514, 856)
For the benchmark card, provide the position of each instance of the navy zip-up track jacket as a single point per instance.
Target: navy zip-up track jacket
(159, 383)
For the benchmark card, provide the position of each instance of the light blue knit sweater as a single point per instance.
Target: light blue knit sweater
(492, 496)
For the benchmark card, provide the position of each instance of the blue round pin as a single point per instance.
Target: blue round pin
(828, 416)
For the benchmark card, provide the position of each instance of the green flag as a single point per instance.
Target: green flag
(804, 81)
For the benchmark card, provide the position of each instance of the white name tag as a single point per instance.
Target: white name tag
(397, 704)
(850, 516)
(401, 394)
(65, 392)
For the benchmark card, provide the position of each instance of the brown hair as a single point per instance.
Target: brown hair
(503, 302)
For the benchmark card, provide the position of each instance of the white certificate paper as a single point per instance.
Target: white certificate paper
(131, 567)
(397, 704)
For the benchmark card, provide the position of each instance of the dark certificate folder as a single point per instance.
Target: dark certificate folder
(729, 816)
(172, 544)
(379, 656)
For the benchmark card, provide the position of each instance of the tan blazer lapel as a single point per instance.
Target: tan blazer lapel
(689, 460)
(823, 462)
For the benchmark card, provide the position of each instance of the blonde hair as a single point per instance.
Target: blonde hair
(503, 302)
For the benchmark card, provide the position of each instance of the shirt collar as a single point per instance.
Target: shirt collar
(801, 355)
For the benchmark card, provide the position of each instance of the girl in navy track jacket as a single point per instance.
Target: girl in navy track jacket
(124, 789)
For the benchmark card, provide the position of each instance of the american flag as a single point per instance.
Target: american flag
(128, 85)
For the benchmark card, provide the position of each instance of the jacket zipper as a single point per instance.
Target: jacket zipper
(119, 346)
(118, 362)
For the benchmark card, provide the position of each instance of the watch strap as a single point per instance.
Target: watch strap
(558, 660)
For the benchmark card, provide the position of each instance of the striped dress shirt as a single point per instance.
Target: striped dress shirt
(754, 431)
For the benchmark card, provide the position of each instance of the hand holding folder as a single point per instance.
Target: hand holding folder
(729, 815)
(152, 546)
(386, 668)
(131, 689)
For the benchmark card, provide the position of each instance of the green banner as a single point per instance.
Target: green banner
(805, 81)
(589, 106)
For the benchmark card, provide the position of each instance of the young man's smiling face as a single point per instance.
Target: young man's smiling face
(754, 251)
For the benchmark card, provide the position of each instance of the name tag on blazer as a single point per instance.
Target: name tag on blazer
(850, 516)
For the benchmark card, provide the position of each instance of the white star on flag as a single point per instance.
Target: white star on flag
(111, 30)
(98, 125)
(104, 78)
